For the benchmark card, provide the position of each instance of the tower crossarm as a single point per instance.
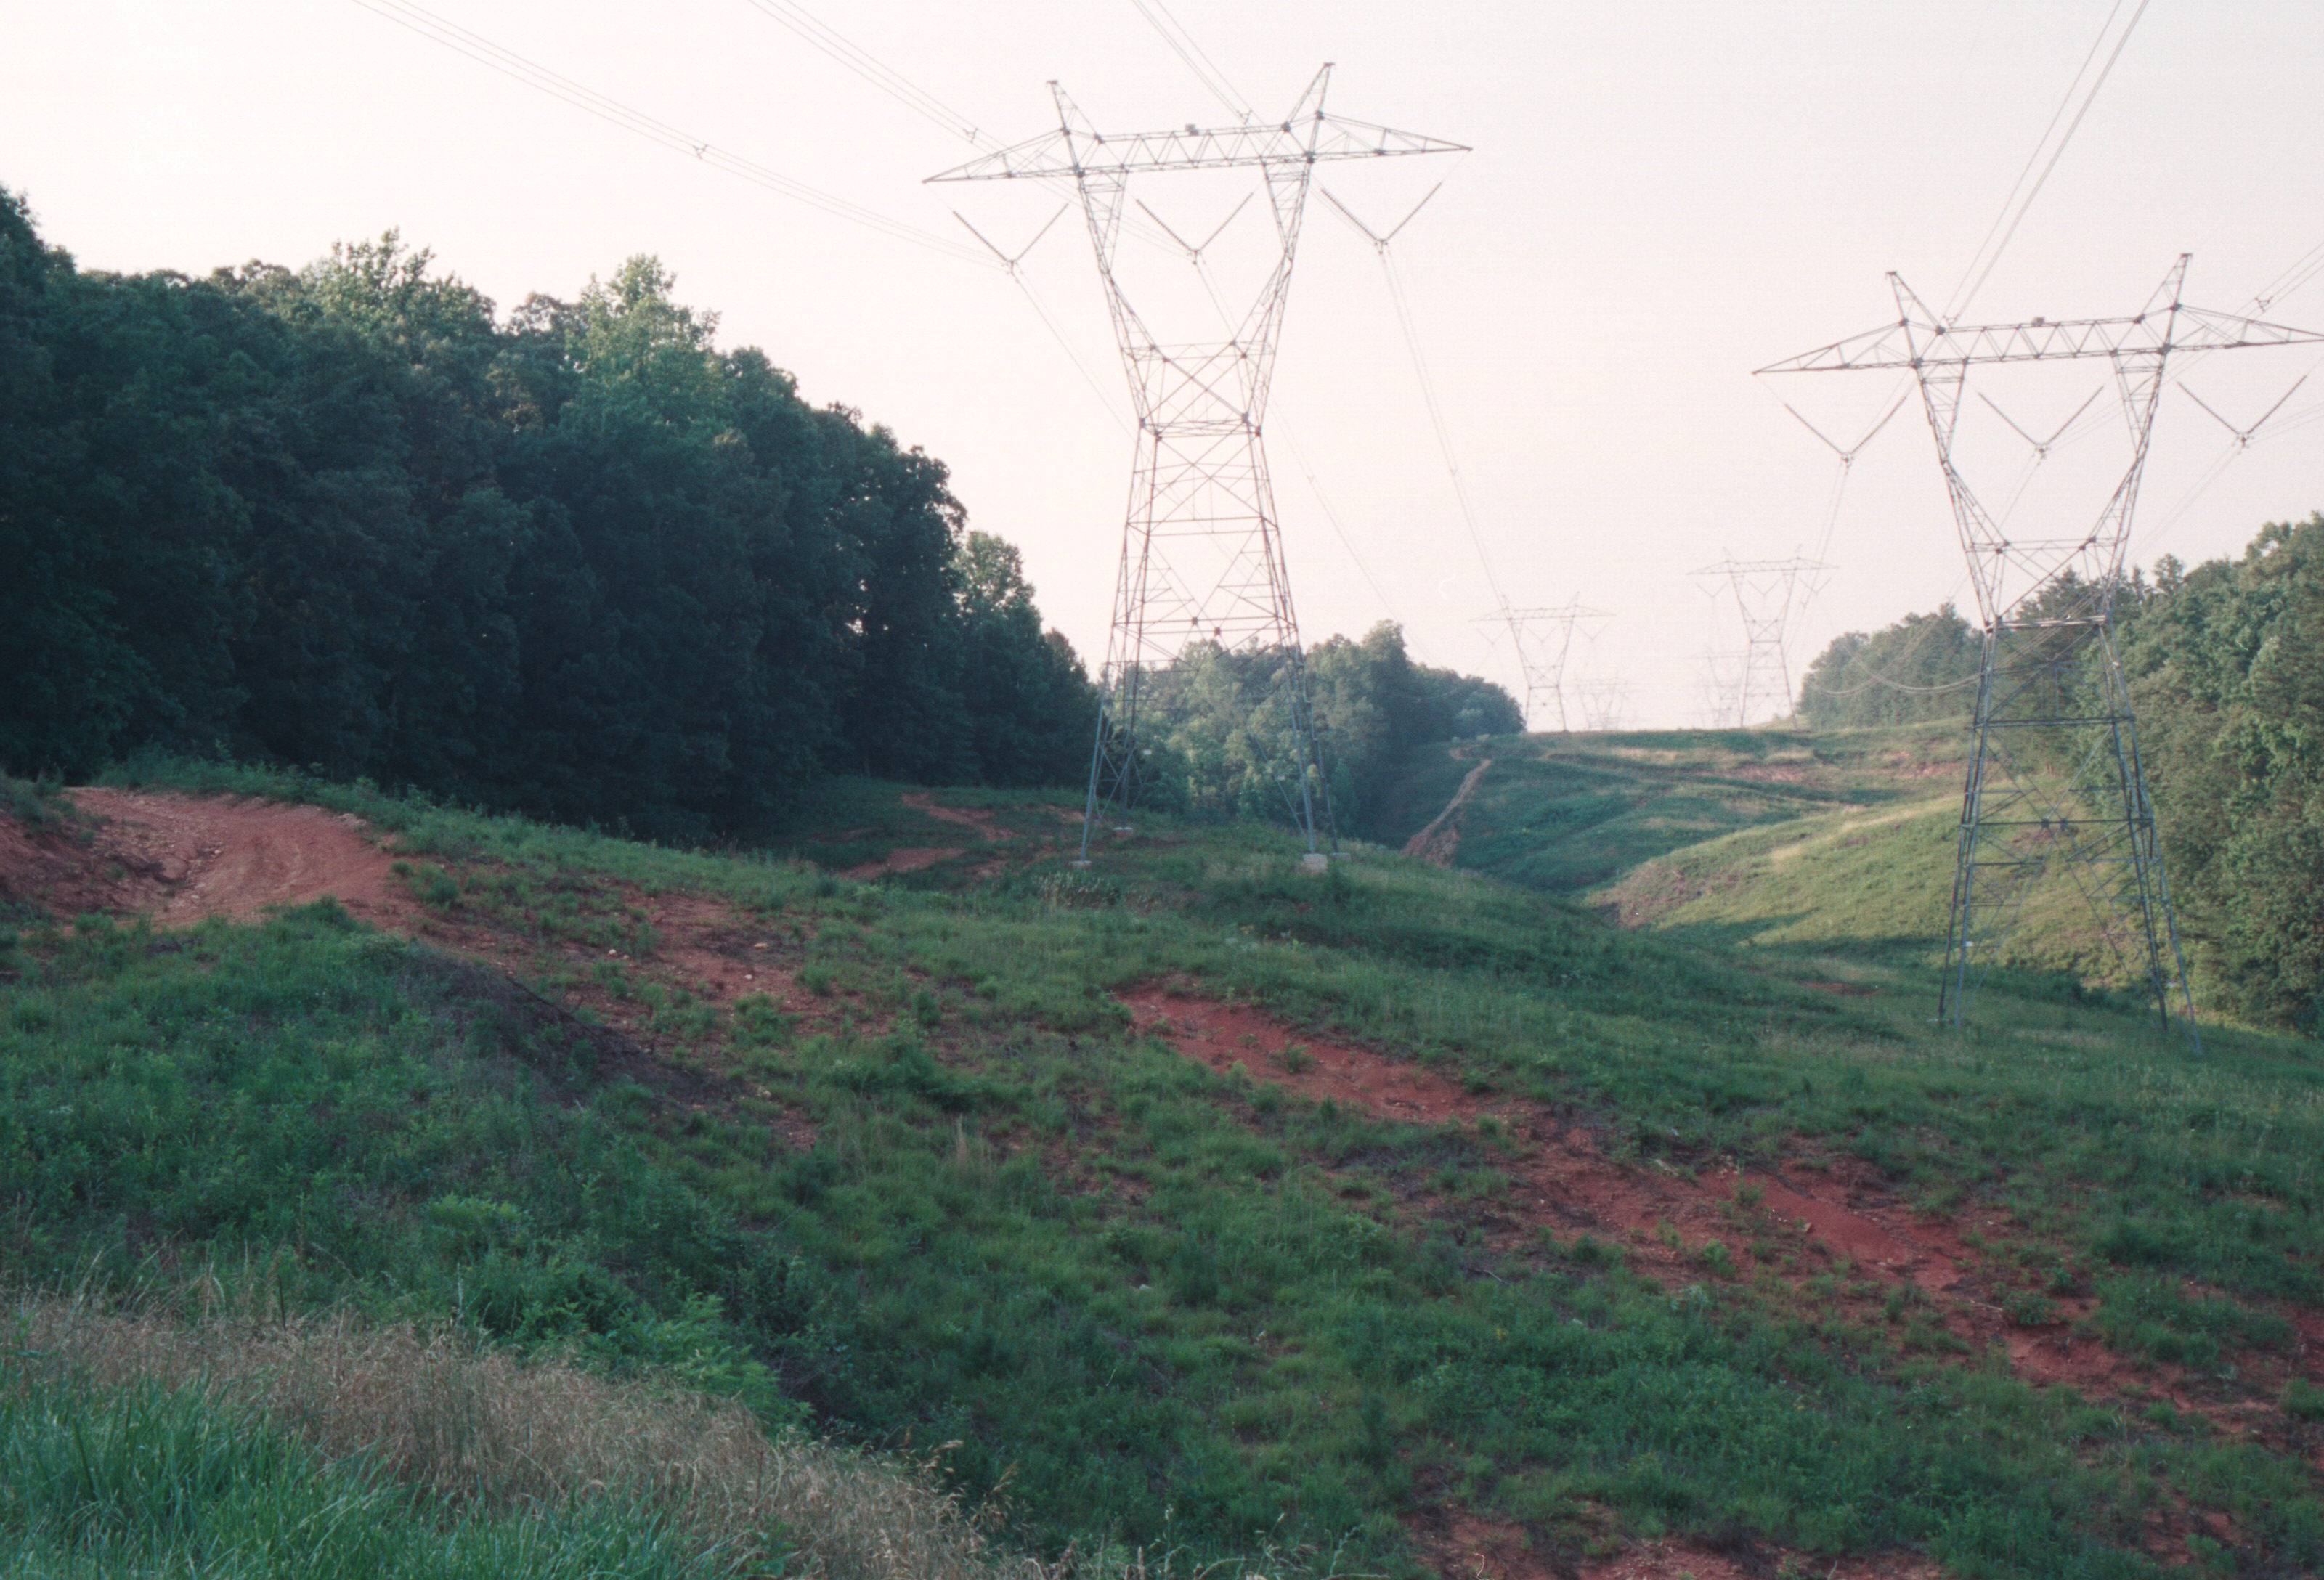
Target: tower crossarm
(2051, 671)
(1918, 339)
(1311, 139)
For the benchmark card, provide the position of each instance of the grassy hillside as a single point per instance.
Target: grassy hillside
(1564, 814)
(1194, 1203)
(1836, 841)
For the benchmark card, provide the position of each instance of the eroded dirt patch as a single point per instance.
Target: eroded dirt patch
(1812, 1218)
(179, 859)
(1570, 1181)
(1441, 840)
(1461, 1545)
(903, 858)
(1680, 1560)
(986, 826)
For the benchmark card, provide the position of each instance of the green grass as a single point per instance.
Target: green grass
(1163, 1307)
(154, 1482)
(1564, 814)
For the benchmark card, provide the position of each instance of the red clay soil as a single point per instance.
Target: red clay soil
(1568, 1183)
(1463, 1545)
(903, 858)
(1675, 1560)
(986, 825)
(179, 859)
(1438, 842)
(1840, 1216)
(912, 858)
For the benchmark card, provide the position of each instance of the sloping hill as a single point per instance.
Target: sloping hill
(1566, 813)
(1398, 1221)
(1839, 843)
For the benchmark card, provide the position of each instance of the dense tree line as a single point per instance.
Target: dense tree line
(2227, 670)
(1218, 732)
(1924, 666)
(575, 560)
(2227, 663)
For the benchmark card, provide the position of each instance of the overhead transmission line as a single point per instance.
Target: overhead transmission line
(2048, 150)
(2031, 179)
(2303, 268)
(2085, 420)
(872, 69)
(1192, 55)
(1435, 410)
(1011, 263)
(509, 63)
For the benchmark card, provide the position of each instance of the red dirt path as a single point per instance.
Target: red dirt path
(1840, 1217)
(1441, 840)
(179, 859)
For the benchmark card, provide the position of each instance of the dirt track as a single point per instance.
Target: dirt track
(1441, 838)
(186, 858)
(1838, 1213)
(179, 859)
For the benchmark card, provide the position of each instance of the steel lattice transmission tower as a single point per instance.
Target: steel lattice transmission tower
(1544, 640)
(2054, 782)
(1766, 595)
(1604, 699)
(1201, 550)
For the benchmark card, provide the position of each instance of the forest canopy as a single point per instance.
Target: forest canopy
(2226, 665)
(574, 560)
(577, 560)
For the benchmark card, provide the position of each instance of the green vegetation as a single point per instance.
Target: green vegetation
(148, 1481)
(1219, 734)
(1567, 812)
(632, 1198)
(1923, 667)
(1150, 1305)
(2226, 681)
(2230, 692)
(239, 1441)
(574, 559)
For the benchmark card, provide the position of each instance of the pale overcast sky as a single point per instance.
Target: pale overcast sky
(1661, 198)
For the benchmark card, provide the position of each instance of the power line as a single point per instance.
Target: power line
(1974, 280)
(2304, 269)
(1011, 263)
(872, 69)
(509, 63)
(1436, 422)
(1182, 44)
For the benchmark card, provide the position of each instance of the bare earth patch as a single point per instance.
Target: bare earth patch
(1438, 842)
(1837, 1216)
(1461, 1545)
(179, 859)
(904, 858)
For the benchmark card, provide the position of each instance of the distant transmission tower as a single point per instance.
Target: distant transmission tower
(1767, 594)
(1605, 698)
(2054, 781)
(1201, 551)
(1719, 690)
(1544, 640)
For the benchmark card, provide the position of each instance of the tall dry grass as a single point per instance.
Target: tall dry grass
(474, 1426)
